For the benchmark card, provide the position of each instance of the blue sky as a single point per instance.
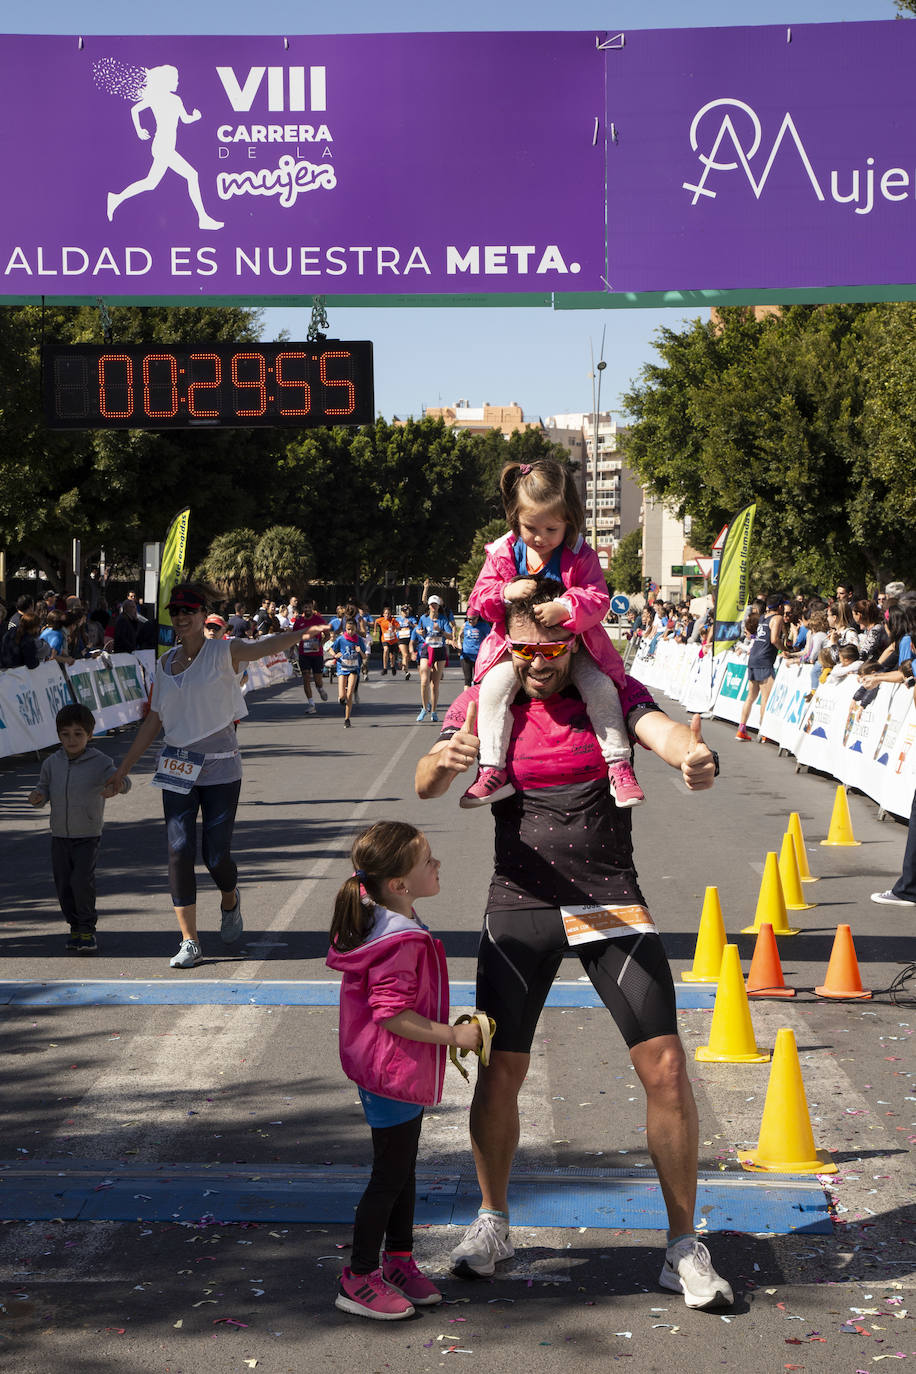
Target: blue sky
(430, 357)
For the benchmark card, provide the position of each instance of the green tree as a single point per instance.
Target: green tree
(624, 572)
(283, 561)
(389, 497)
(789, 412)
(114, 489)
(229, 564)
(469, 571)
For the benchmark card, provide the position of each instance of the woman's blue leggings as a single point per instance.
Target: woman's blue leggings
(217, 805)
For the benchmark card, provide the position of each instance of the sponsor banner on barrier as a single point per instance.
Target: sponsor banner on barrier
(786, 704)
(733, 692)
(267, 672)
(30, 698)
(113, 687)
(869, 745)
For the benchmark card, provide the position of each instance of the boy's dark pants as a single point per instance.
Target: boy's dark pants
(73, 865)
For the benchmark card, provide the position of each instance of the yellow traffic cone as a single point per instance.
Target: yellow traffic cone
(707, 959)
(786, 1144)
(790, 877)
(840, 832)
(771, 904)
(731, 1035)
(795, 830)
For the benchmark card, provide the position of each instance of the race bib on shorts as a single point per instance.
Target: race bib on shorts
(586, 923)
(177, 769)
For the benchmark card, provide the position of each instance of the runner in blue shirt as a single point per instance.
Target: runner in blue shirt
(473, 633)
(348, 651)
(430, 640)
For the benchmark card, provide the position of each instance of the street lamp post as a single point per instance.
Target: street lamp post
(596, 406)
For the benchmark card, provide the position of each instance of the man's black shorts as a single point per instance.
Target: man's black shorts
(519, 957)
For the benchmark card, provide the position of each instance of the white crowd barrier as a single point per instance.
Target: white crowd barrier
(115, 688)
(866, 745)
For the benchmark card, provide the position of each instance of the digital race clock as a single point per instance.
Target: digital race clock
(155, 386)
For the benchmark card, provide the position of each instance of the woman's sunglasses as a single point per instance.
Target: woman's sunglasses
(546, 649)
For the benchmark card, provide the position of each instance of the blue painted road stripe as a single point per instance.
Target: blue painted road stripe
(599, 1199)
(266, 993)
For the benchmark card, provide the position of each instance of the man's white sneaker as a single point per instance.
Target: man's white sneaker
(688, 1270)
(888, 899)
(187, 956)
(485, 1241)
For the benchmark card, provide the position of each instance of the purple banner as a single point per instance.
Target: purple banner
(766, 157)
(377, 164)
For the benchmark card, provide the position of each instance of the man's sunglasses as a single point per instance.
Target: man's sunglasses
(546, 649)
(183, 610)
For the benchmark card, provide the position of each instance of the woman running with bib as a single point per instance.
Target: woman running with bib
(195, 700)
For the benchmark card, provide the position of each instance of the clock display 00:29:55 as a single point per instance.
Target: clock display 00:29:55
(156, 386)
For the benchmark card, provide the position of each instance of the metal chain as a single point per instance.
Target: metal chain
(318, 322)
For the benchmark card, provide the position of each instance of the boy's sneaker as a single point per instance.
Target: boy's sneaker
(434, 715)
(310, 708)
(322, 693)
(230, 926)
(188, 955)
(73, 942)
(625, 790)
(368, 1295)
(688, 1270)
(491, 785)
(402, 1273)
(347, 723)
(888, 899)
(741, 733)
(423, 714)
(407, 676)
(485, 1241)
(87, 942)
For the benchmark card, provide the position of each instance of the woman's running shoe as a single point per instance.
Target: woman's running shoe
(188, 955)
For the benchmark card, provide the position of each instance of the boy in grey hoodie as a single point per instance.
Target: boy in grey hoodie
(73, 780)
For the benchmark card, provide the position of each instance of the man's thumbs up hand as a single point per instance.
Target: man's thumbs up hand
(698, 766)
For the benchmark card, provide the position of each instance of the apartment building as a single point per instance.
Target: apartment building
(613, 502)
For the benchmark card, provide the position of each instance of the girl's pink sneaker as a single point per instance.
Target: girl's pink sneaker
(402, 1273)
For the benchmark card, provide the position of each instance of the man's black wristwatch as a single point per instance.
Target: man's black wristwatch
(715, 759)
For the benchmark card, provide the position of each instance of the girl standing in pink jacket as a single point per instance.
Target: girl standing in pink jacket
(394, 1036)
(545, 513)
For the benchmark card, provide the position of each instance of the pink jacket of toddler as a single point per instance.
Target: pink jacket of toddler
(398, 967)
(586, 594)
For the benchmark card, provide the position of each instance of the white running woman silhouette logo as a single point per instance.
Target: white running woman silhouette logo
(154, 88)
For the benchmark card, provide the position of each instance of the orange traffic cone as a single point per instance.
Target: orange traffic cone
(843, 979)
(765, 978)
(786, 1144)
(771, 904)
(707, 959)
(731, 1035)
(790, 877)
(795, 830)
(840, 832)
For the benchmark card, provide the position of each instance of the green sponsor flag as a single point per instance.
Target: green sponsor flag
(731, 587)
(170, 570)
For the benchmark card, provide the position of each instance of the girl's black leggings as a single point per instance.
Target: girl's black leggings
(385, 1211)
